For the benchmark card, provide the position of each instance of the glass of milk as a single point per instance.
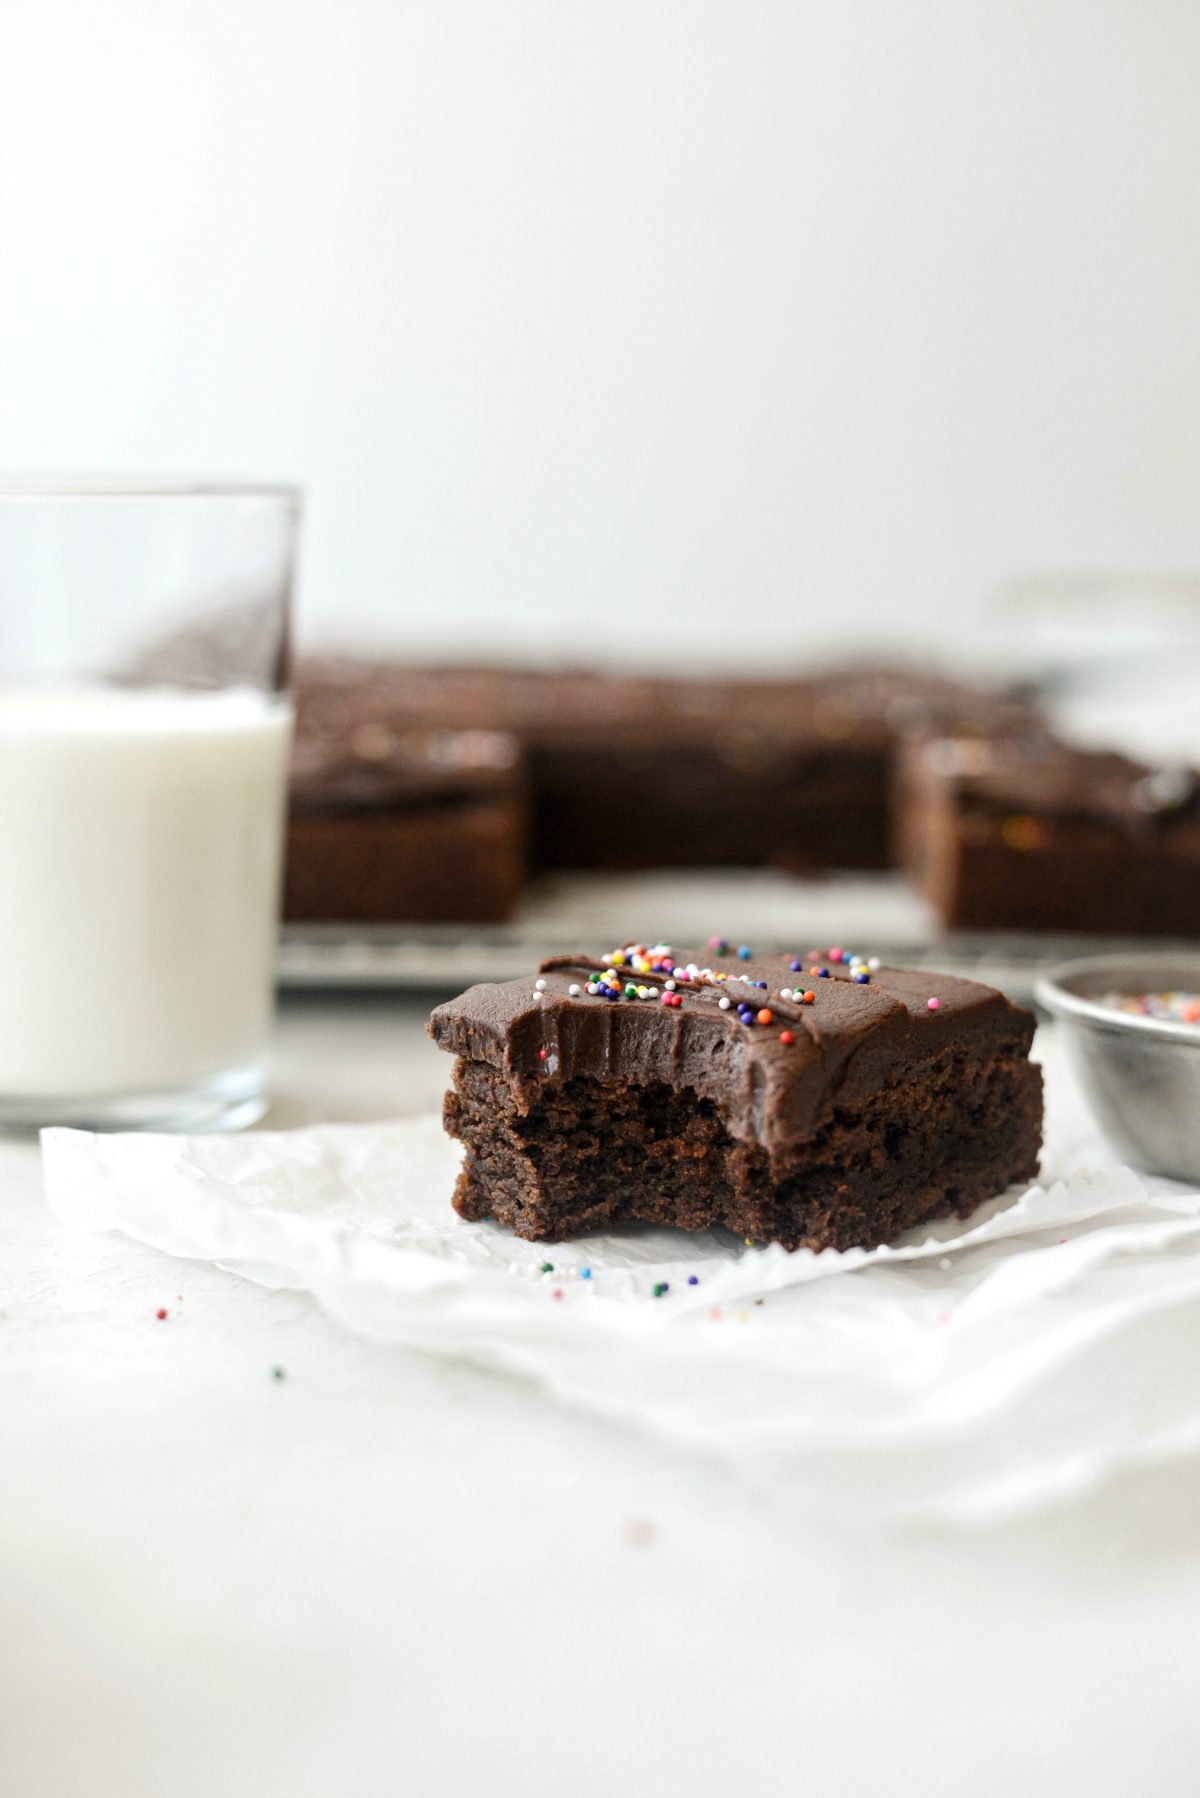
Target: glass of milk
(144, 730)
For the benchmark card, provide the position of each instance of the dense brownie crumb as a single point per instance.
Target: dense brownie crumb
(584, 1157)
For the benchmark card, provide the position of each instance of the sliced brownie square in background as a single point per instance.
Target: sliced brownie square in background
(391, 825)
(1036, 835)
(632, 771)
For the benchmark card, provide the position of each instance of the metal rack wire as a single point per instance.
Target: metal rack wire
(876, 915)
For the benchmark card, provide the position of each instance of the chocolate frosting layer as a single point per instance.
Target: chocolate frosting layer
(369, 764)
(743, 719)
(850, 1038)
(1055, 780)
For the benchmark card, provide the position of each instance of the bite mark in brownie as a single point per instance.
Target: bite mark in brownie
(884, 1099)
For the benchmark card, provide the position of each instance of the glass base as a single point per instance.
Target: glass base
(227, 1101)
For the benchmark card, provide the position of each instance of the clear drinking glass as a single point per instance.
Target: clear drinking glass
(144, 731)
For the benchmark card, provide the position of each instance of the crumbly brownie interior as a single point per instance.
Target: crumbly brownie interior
(554, 1159)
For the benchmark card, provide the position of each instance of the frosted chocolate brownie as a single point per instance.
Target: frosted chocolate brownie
(813, 1101)
(1036, 835)
(634, 771)
(389, 825)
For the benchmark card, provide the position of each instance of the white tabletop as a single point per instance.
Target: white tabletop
(383, 1575)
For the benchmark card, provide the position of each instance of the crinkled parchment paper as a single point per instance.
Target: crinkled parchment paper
(972, 1371)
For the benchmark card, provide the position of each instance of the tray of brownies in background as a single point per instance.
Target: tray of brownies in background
(448, 824)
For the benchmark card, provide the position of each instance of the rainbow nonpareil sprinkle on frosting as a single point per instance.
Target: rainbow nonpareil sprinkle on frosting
(651, 971)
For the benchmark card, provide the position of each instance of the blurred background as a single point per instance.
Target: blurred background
(727, 332)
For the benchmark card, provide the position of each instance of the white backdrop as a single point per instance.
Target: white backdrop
(630, 324)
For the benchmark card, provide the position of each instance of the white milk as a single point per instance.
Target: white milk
(140, 846)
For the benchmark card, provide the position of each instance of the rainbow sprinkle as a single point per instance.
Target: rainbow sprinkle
(1173, 1007)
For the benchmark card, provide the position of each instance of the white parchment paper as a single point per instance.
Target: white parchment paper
(972, 1371)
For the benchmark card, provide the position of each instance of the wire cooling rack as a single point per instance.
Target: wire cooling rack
(875, 915)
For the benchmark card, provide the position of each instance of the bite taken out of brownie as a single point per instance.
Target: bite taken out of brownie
(813, 1100)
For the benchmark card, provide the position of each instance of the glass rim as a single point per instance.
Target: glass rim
(117, 487)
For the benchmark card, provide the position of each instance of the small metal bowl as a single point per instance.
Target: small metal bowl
(1141, 1075)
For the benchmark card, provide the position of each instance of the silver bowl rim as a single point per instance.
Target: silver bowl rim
(1053, 992)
